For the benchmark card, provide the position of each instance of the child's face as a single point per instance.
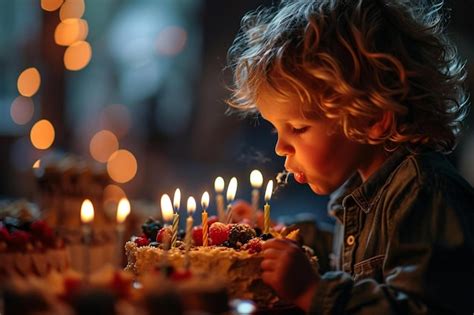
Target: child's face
(315, 153)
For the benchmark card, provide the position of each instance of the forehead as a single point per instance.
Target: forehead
(275, 105)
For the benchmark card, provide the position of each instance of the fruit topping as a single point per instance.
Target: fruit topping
(240, 234)
(218, 233)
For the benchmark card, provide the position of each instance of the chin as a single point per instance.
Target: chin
(320, 189)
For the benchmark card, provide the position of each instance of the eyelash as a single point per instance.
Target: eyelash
(298, 130)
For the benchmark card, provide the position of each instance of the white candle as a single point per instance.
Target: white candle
(266, 208)
(189, 228)
(123, 210)
(87, 216)
(231, 191)
(219, 188)
(256, 180)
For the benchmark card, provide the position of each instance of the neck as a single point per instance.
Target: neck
(373, 162)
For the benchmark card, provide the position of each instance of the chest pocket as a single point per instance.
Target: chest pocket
(369, 268)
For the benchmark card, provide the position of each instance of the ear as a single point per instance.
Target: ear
(379, 128)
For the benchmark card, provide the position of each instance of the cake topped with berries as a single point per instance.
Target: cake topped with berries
(233, 256)
(28, 246)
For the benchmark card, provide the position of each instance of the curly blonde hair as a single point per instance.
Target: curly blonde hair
(351, 61)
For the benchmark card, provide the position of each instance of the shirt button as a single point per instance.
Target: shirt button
(350, 240)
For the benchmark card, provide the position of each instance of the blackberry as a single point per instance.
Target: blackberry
(226, 244)
(151, 227)
(266, 236)
(258, 231)
(240, 233)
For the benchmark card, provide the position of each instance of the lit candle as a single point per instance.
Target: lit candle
(204, 204)
(189, 228)
(87, 216)
(219, 188)
(167, 215)
(256, 180)
(176, 203)
(231, 190)
(123, 210)
(266, 208)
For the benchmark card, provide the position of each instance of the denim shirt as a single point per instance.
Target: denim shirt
(405, 243)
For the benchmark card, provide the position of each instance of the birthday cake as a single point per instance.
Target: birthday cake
(28, 246)
(233, 257)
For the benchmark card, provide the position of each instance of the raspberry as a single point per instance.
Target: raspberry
(218, 233)
(253, 246)
(212, 219)
(161, 233)
(19, 239)
(197, 235)
(43, 233)
(142, 241)
(240, 233)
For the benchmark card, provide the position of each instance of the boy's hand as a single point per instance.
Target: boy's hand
(288, 271)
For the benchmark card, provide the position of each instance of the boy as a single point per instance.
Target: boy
(366, 93)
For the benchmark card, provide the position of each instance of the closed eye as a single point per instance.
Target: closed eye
(299, 130)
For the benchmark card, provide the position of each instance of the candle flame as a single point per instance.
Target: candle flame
(191, 205)
(177, 199)
(232, 189)
(166, 208)
(268, 191)
(205, 200)
(256, 179)
(37, 164)
(219, 185)
(123, 210)
(87, 211)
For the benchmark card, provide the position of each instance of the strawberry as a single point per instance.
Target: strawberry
(211, 220)
(19, 240)
(197, 235)
(160, 236)
(253, 246)
(218, 233)
(4, 234)
(142, 241)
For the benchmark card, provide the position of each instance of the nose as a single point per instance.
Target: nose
(283, 148)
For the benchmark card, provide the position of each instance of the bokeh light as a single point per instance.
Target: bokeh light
(51, 5)
(113, 193)
(29, 82)
(42, 134)
(122, 166)
(72, 9)
(102, 145)
(116, 117)
(70, 31)
(171, 40)
(77, 56)
(22, 110)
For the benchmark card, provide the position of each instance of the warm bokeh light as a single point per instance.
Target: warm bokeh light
(171, 40)
(72, 9)
(102, 145)
(219, 185)
(191, 205)
(256, 179)
(205, 200)
(37, 164)
(51, 5)
(232, 189)
(87, 211)
(29, 82)
(42, 134)
(77, 56)
(70, 31)
(123, 210)
(22, 110)
(269, 190)
(113, 193)
(166, 208)
(122, 166)
(116, 118)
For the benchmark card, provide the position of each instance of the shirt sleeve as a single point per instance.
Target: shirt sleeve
(429, 261)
